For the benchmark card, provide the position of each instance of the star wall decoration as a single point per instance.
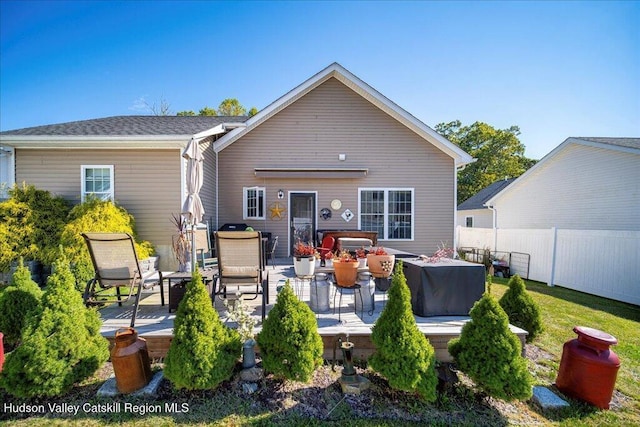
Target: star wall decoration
(277, 211)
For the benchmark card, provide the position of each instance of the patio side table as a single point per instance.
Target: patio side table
(180, 279)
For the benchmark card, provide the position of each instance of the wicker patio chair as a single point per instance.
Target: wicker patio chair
(116, 267)
(241, 263)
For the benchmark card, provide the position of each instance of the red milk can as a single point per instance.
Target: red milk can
(130, 361)
(588, 368)
(1, 351)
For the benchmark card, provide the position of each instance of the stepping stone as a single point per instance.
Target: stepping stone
(109, 388)
(548, 400)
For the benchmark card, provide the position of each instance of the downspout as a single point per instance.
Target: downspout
(217, 190)
(495, 227)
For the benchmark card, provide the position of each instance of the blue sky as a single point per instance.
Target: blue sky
(555, 69)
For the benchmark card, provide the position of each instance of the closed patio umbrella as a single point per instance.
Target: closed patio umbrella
(192, 208)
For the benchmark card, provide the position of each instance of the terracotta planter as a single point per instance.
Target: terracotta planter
(381, 265)
(304, 266)
(346, 273)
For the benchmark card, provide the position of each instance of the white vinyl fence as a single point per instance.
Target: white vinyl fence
(598, 262)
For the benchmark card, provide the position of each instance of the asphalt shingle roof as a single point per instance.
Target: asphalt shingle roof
(620, 142)
(129, 126)
(477, 200)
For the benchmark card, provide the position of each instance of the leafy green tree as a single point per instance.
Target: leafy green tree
(522, 310)
(186, 113)
(289, 342)
(207, 111)
(18, 302)
(490, 354)
(231, 107)
(403, 354)
(253, 111)
(204, 351)
(61, 344)
(499, 154)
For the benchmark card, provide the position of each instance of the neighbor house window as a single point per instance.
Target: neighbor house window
(254, 203)
(97, 180)
(389, 211)
(468, 221)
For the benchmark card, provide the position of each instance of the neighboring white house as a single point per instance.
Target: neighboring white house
(583, 184)
(474, 213)
(576, 213)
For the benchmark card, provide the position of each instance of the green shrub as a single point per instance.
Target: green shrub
(16, 233)
(490, 354)
(403, 354)
(96, 215)
(204, 351)
(290, 345)
(18, 301)
(61, 344)
(522, 310)
(49, 215)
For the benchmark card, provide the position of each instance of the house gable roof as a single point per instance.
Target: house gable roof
(477, 201)
(120, 131)
(626, 145)
(338, 72)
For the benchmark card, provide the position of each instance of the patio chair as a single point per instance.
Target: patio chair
(272, 251)
(204, 250)
(116, 266)
(241, 263)
(327, 246)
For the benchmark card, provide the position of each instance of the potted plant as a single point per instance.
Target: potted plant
(239, 313)
(346, 269)
(180, 243)
(304, 259)
(380, 262)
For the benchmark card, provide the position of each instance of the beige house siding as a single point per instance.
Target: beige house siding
(208, 193)
(147, 184)
(581, 187)
(312, 132)
(482, 218)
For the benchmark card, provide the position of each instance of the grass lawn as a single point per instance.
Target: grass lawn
(322, 403)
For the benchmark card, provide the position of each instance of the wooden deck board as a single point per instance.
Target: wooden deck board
(155, 323)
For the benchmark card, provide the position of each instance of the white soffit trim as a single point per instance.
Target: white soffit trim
(158, 142)
(364, 90)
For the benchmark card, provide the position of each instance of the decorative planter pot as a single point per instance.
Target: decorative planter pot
(346, 273)
(381, 265)
(304, 266)
(249, 354)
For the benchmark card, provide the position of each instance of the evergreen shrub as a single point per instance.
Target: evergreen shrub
(18, 302)
(290, 345)
(403, 354)
(49, 216)
(96, 215)
(204, 351)
(522, 310)
(61, 344)
(16, 233)
(490, 354)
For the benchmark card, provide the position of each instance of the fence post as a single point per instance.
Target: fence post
(554, 238)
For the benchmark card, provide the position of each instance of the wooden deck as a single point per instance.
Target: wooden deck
(155, 323)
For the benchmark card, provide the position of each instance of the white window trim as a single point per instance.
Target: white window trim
(245, 204)
(83, 182)
(386, 210)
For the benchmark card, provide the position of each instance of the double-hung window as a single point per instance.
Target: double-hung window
(389, 211)
(97, 181)
(254, 203)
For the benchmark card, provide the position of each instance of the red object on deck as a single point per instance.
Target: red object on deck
(1, 351)
(588, 368)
